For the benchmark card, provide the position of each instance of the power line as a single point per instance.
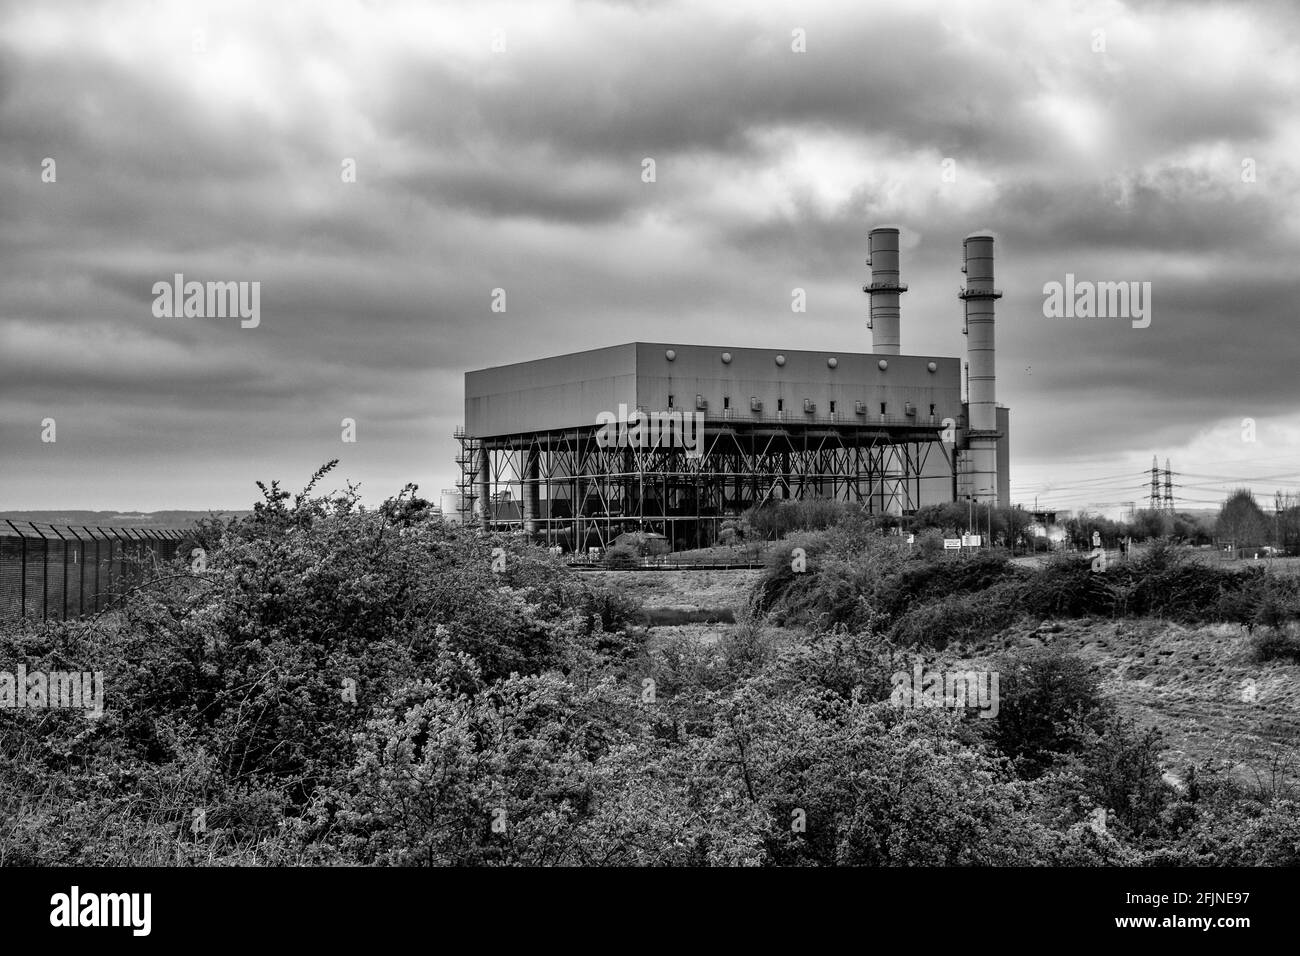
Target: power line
(1229, 479)
(1083, 482)
(1159, 484)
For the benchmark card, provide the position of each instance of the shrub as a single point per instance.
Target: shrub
(345, 686)
(922, 581)
(241, 690)
(970, 618)
(642, 544)
(844, 663)
(930, 544)
(748, 645)
(845, 566)
(782, 590)
(1119, 766)
(1067, 587)
(1167, 582)
(1046, 699)
(778, 519)
(608, 609)
(621, 557)
(1275, 645)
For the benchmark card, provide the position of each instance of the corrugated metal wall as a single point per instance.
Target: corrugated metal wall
(49, 572)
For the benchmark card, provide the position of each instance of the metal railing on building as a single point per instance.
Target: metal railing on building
(51, 572)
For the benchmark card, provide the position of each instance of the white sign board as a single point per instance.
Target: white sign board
(970, 541)
(951, 544)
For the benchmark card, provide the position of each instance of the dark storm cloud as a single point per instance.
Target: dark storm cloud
(698, 81)
(521, 170)
(582, 196)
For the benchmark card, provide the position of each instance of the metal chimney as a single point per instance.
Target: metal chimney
(882, 244)
(982, 407)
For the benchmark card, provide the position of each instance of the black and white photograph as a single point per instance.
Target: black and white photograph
(573, 442)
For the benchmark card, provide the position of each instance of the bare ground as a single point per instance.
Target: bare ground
(698, 590)
(1200, 688)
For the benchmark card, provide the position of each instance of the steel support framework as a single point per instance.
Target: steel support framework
(563, 488)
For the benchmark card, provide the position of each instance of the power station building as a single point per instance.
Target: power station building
(674, 439)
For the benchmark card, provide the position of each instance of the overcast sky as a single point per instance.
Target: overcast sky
(502, 146)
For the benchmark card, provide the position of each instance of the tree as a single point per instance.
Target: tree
(1149, 523)
(1044, 693)
(1014, 522)
(1080, 530)
(1242, 522)
(1193, 530)
(1286, 508)
(949, 517)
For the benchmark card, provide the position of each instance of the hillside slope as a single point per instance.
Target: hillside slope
(1197, 685)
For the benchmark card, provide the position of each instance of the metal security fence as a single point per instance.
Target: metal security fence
(61, 572)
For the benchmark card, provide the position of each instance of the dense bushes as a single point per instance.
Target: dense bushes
(920, 582)
(777, 519)
(1048, 700)
(344, 686)
(842, 569)
(621, 557)
(852, 571)
(960, 618)
(244, 692)
(1066, 587)
(1275, 646)
(1164, 582)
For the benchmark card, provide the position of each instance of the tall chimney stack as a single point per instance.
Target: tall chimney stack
(982, 407)
(882, 245)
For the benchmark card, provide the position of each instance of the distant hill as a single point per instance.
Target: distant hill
(116, 519)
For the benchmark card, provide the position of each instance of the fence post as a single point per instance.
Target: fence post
(146, 552)
(127, 541)
(45, 572)
(141, 546)
(108, 585)
(63, 597)
(94, 596)
(63, 604)
(22, 581)
(79, 557)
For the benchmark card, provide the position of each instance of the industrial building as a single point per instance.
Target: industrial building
(673, 439)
